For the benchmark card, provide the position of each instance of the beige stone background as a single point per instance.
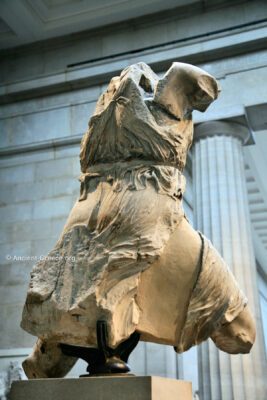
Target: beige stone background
(56, 58)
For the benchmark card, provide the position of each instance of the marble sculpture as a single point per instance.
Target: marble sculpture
(127, 254)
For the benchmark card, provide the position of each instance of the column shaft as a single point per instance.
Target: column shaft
(221, 213)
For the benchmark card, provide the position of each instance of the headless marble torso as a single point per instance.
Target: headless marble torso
(132, 157)
(136, 258)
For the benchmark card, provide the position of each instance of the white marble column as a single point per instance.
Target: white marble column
(222, 214)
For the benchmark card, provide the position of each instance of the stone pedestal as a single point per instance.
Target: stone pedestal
(222, 214)
(102, 388)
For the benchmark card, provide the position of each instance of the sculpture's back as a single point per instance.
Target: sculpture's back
(127, 255)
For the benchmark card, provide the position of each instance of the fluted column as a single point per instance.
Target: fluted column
(222, 214)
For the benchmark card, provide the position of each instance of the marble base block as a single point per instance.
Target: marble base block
(102, 388)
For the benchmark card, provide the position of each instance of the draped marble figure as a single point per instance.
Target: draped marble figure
(127, 254)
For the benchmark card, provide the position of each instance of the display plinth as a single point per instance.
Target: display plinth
(102, 388)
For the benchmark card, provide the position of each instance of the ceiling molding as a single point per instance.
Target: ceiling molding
(37, 20)
(158, 58)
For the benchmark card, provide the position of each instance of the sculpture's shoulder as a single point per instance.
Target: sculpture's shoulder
(138, 76)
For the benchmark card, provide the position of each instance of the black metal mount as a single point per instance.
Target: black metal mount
(104, 360)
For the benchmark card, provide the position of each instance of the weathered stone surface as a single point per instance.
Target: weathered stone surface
(104, 388)
(127, 253)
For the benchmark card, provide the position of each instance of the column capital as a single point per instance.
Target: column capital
(224, 128)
